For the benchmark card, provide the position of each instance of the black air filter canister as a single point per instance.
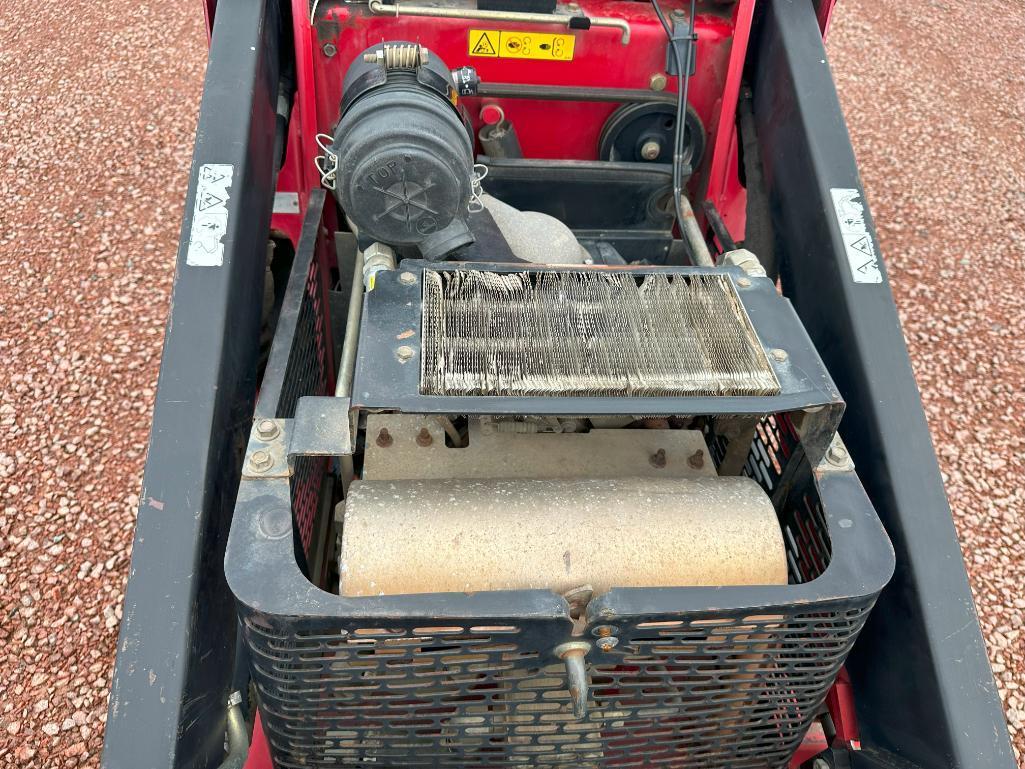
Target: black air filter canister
(405, 158)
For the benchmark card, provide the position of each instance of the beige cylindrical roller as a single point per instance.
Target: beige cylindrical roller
(429, 536)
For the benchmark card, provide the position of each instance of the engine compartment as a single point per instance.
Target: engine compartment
(578, 494)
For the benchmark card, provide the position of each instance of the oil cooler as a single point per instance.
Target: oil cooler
(699, 676)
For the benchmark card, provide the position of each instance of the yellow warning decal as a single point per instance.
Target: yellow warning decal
(521, 45)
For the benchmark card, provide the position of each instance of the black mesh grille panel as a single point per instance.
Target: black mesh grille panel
(712, 691)
(306, 371)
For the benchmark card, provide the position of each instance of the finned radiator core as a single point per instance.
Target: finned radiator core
(588, 333)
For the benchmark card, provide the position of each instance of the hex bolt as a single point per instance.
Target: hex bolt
(607, 643)
(837, 455)
(651, 150)
(697, 459)
(603, 631)
(658, 459)
(407, 279)
(267, 429)
(743, 282)
(423, 438)
(404, 353)
(778, 354)
(384, 439)
(261, 461)
(329, 49)
(658, 82)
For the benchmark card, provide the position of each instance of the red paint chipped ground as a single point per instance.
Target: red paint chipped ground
(97, 127)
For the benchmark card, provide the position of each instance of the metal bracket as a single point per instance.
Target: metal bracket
(323, 427)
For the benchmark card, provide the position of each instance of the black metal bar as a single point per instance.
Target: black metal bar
(922, 682)
(174, 665)
(571, 93)
(718, 226)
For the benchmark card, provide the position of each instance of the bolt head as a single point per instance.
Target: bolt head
(778, 354)
(837, 454)
(423, 438)
(404, 353)
(261, 460)
(658, 82)
(608, 643)
(407, 279)
(267, 429)
(743, 282)
(329, 49)
(650, 150)
(658, 459)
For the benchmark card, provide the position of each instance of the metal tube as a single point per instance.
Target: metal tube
(450, 429)
(571, 93)
(378, 7)
(348, 362)
(238, 735)
(698, 248)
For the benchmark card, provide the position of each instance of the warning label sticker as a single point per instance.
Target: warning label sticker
(862, 254)
(521, 45)
(210, 215)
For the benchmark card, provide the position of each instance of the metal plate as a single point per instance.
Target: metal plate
(597, 454)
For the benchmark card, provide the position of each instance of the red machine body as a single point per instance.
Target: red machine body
(546, 128)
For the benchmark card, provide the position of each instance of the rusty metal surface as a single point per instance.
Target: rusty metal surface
(454, 535)
(409, 454)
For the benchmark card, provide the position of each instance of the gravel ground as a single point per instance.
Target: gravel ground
(935, 102)
(95, 139)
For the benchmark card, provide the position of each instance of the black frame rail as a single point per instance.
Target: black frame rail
(177, 643)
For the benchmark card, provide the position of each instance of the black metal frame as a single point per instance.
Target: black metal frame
(920, 674)
(177, 642)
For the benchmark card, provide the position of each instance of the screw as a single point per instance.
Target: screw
(778, 354)
(697, 459)
(329, 49)
(423, 438)
(261, 460)
(404, 353)
(837, 454)
(407, 279)
(743, 282)
(658, 459)
(608, 643)
(657, 82)
(651, 150)
(384, 439)
(267, 430)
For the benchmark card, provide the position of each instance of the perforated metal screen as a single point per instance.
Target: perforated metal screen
(716, 691)
(712, 689)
